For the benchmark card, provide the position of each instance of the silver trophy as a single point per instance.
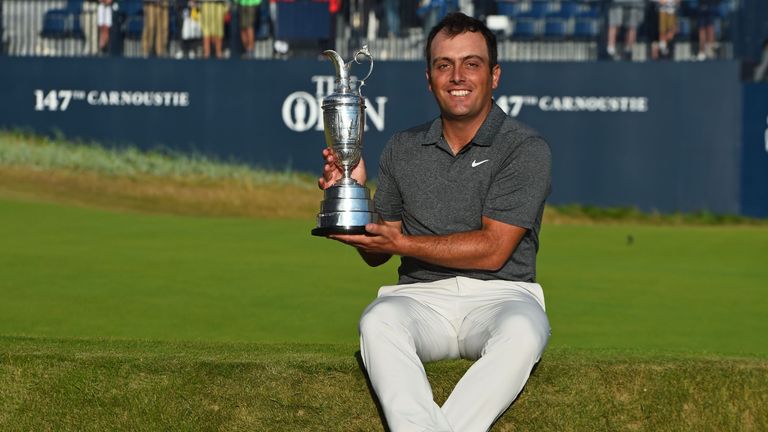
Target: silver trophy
(347, 206)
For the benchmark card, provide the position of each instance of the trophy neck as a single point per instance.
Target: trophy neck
(347, 181)
(342, 86)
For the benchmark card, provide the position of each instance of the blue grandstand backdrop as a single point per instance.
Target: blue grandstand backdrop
(636, 115)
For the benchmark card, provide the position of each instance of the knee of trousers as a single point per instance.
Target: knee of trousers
(383, 315)
(523, 333)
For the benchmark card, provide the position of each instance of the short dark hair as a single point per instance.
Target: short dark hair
(456, 23)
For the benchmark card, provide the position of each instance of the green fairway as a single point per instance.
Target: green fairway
(76, 272)
(668, 289)
(71, 272)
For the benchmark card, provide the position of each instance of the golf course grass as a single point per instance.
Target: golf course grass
(148, 301)
(98, 385)
(80, 272)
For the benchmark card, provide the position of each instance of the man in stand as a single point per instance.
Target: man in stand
(461, 198)
(155, 33)
(249, 16)
(630, 15)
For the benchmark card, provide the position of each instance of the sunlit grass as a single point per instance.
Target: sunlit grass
(44, 153)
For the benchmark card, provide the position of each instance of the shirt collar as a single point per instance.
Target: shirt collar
(484, 136)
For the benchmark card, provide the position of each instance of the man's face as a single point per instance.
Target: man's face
(460, 77)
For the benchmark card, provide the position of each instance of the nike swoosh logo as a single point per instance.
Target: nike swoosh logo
(476, 163)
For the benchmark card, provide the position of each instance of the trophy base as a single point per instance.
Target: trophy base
(326, 231)
(346, 209)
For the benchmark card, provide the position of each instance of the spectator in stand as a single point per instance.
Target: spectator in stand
(667, 25)
(359, 12)
(191, 30)
(651, 27)
(706, 20)
(104, 22)
(249, 15)
(155, 31)
(432, 11)
(392, 10)
(212, 14)
(627, 14)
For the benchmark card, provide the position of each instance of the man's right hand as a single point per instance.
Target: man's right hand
(332, 173)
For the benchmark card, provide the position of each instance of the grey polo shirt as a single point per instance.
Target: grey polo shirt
(504, 174)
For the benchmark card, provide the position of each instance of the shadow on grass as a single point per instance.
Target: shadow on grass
(375, 398)
(522, 390)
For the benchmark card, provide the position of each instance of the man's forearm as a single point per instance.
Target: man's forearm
(477, 250)
(487, 248)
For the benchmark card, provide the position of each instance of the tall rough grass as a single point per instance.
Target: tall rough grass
(45, 153)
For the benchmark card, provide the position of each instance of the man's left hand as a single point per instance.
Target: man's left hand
(377, 239)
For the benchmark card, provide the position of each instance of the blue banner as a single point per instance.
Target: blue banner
(658, 136)
(754, 185)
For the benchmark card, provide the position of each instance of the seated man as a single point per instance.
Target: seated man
(461, 198)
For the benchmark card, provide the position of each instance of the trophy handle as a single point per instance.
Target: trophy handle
(366, 53)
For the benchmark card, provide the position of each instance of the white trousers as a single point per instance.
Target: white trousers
(501, 324)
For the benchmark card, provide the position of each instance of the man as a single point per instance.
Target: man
(249, 15)
(630, 14)
(461, 199)
(212, 13)
(706, 11)
(104, 23)
(155, 32)
(667, 25)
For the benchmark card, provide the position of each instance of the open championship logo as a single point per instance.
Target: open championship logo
(303, 111)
